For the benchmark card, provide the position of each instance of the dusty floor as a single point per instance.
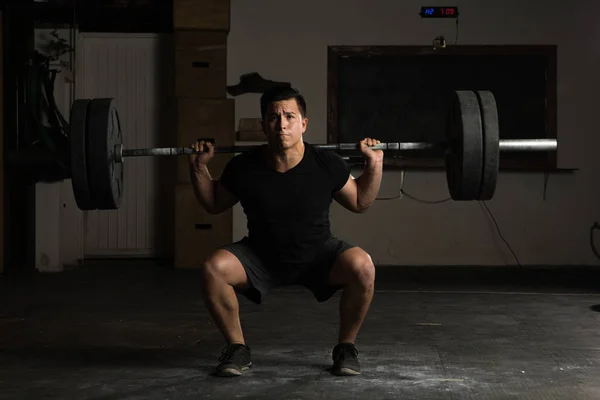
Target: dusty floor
(139, 331)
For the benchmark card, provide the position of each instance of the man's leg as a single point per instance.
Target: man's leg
(232, 268)
(220, 273)
(354, 272)
(350, 269)
(341, 265)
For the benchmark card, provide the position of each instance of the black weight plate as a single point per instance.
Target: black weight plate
(491, 144)
(464, 157)
(105, 174)
(77, 145)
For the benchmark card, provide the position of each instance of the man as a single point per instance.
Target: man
(286, 188)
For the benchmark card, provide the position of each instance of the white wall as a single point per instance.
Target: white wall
(288, 42)
(134, 70)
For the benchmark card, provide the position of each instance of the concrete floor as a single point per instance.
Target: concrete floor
(139, 331)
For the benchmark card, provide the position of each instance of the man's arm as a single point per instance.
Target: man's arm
(358, 194)
(211, 194)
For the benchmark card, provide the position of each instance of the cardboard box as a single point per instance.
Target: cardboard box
(198, 234)
(202, 14)
(206, 119)
(250, 130)
(200, 64)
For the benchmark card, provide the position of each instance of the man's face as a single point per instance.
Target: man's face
(283, 124)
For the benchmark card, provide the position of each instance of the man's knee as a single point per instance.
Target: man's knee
(354, 266)
(214, 266)
(224, 266)
(363, 269)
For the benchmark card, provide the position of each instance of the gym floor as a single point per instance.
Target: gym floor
(136, 330)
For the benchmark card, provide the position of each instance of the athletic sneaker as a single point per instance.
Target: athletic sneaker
(345, 360)
(234, 359)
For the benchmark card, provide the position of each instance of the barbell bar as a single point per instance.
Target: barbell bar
(512, 145)
(471, 152)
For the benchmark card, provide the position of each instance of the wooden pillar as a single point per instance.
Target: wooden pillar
(203, 111)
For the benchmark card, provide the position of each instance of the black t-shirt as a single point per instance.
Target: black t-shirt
(287, 212)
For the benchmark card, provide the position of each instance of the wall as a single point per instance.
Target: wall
(139, 227)
(288, 43)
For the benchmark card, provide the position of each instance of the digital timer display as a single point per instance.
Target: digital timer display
(439, 12)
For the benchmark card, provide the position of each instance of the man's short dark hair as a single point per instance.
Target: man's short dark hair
(280, 94)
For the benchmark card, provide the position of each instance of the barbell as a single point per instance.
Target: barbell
(471, 150)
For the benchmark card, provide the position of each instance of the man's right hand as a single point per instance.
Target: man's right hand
(206, 152)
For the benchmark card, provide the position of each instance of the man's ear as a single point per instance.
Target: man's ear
(304, 124)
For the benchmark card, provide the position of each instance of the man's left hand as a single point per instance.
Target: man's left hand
(368, 153)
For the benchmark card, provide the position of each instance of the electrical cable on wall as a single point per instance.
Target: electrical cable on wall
(403, 193)
(456, 38)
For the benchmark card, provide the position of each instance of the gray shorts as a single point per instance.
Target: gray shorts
(262, 278)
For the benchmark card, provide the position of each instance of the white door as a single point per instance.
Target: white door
(128, 68)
